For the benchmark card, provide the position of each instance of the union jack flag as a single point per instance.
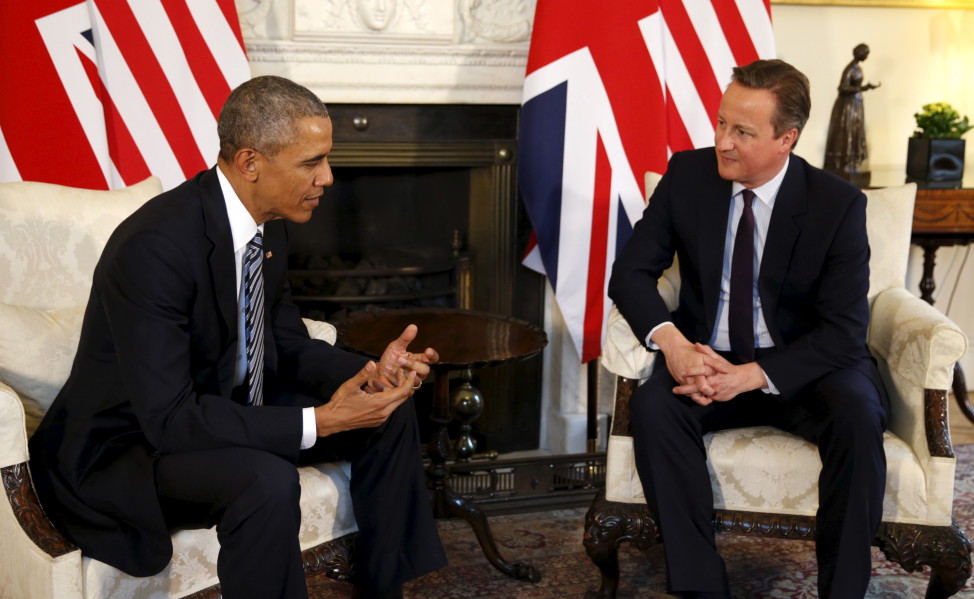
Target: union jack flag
(102, 93)
(608, 97)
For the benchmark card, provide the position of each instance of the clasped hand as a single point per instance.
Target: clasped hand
(369, 398)
(705, 376)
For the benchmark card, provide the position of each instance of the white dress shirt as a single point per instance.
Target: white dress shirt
(242, 230)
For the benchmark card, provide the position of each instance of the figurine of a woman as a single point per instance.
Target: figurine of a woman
(845, 146)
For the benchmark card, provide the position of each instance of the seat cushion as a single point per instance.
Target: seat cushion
(763, 469)
(326, 514)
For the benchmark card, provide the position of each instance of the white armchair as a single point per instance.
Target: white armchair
(50, 239)
(765, 480)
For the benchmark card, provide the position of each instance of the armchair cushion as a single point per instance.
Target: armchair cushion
(37, 348)
(762, 469)
(326, 514)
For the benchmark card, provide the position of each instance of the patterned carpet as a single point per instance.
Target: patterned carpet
(552, 542)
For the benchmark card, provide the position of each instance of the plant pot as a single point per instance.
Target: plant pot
(937, 163)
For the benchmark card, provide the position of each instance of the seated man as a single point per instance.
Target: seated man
(196, 388)
(770, 330)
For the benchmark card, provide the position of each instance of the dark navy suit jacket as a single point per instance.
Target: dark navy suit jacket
(814, 273)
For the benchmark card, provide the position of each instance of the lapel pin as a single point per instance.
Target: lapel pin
(268, 255)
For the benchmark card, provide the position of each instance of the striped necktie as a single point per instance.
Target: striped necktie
(741, 313)
(253, 282)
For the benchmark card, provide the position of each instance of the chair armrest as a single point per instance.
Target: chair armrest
(13, 428)
(321, 330)
(916, 347)
(622, 353)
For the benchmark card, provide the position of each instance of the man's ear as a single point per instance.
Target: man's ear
(246, 163)
(788, 139)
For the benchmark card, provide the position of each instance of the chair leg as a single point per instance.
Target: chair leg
(607, 525)
(945, 549)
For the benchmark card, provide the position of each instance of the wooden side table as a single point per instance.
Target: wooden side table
(464, 339)
(943, 217)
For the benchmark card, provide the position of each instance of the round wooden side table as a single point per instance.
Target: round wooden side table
(465, 339)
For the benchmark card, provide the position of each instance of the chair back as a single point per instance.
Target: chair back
(889, 221)
(51, 237)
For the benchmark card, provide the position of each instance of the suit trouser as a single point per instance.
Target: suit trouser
(252, 498)
(842, 413)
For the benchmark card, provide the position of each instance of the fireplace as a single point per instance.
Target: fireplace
(424, 211)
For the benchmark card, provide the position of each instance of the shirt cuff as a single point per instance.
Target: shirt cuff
(649, 337)
(310, 429)
(769, 388)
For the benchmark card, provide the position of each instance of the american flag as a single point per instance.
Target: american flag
(102, 93)
(609, 95)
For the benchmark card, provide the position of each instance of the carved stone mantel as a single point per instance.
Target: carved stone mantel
(393, 51)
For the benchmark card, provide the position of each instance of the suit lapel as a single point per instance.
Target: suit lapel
(222, 270)
(783, 233)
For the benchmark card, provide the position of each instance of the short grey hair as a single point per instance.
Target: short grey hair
(261, 114)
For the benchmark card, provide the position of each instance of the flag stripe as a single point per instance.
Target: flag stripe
(756, 15)
(206, 71)
(63, 42)
(152, 82)
(693, 56)
(124, 154)
(146, 130)
(173, 58)
(595, 296)
(229, 10)
(707, 28)
(735, 32)
(222, 36)
(125, 87)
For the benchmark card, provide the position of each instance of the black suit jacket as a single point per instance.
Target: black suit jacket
(154, 373)
(814, 273)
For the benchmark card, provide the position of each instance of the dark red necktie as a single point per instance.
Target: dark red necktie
(741, 315)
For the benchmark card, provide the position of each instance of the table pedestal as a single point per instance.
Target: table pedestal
(446, 503)
(464, 339)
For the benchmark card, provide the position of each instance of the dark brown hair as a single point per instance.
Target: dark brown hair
(789, 86)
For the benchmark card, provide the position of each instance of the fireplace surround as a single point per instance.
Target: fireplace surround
(432, 189)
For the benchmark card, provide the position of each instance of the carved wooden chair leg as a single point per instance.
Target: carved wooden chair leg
(952, 567)
(608, 524)
(945, 549)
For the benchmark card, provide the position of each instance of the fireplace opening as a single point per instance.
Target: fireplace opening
(384, 237)
(424, 211)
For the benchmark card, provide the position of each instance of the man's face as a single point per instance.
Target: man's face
(290, 184)
(376, 13)
(747, 150)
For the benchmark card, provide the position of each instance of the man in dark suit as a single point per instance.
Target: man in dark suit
(168, 420)
(778, 340)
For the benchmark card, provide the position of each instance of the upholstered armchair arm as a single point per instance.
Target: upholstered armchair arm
(917, 348)
(13, 428)
(38, 561)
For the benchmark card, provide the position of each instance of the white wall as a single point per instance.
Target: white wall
(920, 55)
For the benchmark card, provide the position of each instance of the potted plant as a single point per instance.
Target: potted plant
(935, 155)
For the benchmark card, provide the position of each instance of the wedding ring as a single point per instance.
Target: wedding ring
(418, 386)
